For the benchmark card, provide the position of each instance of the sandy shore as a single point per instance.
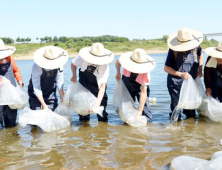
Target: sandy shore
(72, 55)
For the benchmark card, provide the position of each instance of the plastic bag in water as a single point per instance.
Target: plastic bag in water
(191, 163)
(47, 120)
(125, 106)
(175, 115)
(215, 109)
(14, 97)
(190, 97)
(80, 100)
(63, 110)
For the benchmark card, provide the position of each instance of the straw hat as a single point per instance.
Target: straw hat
(137, 61)
(50, 57)
(185, 39)
(5, 51)
(96, 54)
(215, 52)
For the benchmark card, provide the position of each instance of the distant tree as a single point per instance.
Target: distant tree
(42, 40)
(28, 39)
(18, 39)
(165, 38)
(205, 38)
(7, 40)
(37, 38)
(55, 39)
(23, 40)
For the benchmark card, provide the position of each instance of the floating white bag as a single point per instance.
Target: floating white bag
(47, 120)
(125, 106)
(190, 97)
(186, 163)
(80, 100)
(191, 163)
(14, 97)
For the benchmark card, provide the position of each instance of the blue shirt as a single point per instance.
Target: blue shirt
(171, 60)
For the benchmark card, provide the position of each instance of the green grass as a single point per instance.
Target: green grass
(27, 49)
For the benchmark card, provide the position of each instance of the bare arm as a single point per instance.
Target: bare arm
(100, 96)
(118, 74)
(61, 94)
(143, 96)
(41, 100)
(74, 77)
(173, 72)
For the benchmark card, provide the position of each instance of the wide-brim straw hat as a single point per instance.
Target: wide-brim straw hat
(5, 51)
(215, 52)
(96, 54)
(137, 61)
(184, 40)
(50, 57)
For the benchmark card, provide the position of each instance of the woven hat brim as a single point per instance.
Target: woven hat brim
(213, 52)
(6, 53)
(45, 63)
(130, 65)
(174, 44)
(87, 56)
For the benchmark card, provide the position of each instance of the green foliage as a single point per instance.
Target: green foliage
(7, 40)
(165, 38)
(28, 39)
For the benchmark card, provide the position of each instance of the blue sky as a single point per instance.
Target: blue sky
(129, 18)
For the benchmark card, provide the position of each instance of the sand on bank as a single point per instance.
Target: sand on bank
(72, 55)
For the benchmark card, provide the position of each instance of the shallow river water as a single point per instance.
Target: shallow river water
(112, 145)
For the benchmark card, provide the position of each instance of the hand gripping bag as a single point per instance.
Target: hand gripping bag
(190, 97)
(47, 120)
(14, 97)
(125, 106)
(80, 100)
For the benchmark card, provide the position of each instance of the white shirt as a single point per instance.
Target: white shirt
(101, 72)
(148, 76)
(36, 79)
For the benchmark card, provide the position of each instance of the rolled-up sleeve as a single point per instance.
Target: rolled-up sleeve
(36, 76)
(77, 61)
(60, 79)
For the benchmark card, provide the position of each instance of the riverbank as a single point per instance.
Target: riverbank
(73, 55)
(25, 51)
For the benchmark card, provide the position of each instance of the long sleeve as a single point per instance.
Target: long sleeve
(60, 79)
(36, 76)
(15, 68)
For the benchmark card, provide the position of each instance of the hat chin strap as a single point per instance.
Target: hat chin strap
(100, 55)
(195, 38)
(148, 61)
(7, 49)
(218, 50)
(60, 55)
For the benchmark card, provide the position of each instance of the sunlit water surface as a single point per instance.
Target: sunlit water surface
(112, 145)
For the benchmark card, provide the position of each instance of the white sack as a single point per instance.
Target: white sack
(190, 97)
(215, 109)
(47, 120)
(125, 106)
(14, 97)
(191, 163)
(80, 100)
(186, 163)
(63, 110)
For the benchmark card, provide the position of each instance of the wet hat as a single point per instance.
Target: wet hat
(50, 57)
(185, 39)
(96, 54)
(215, 52)
(5, 51)
(137, 61)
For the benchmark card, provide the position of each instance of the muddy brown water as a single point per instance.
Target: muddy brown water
(112, 145)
